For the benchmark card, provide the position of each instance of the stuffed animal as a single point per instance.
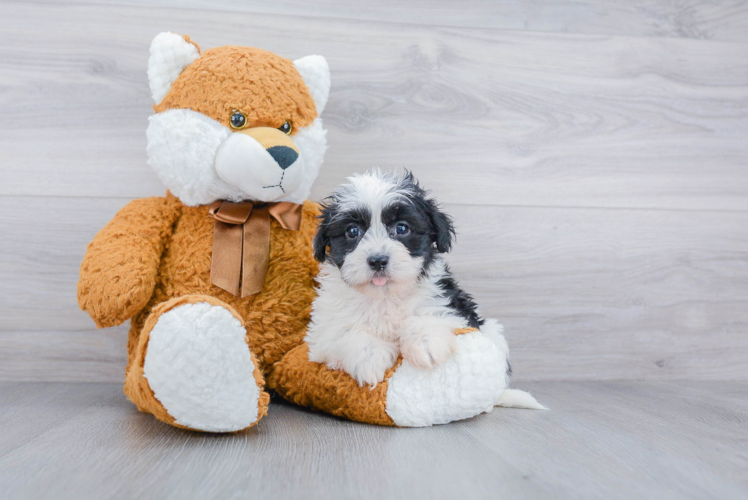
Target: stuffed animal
(217, 276)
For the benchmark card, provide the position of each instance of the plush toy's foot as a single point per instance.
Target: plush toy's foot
(193, 368)
(467, 384)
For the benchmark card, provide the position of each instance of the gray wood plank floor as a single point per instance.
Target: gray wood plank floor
(600, 440)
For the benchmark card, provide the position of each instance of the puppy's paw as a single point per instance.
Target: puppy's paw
(427, 343)
(334, 364)
(369, 365)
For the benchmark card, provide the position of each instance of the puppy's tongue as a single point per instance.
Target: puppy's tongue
(379, 281)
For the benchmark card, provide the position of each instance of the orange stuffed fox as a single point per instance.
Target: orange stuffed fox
(217, 277)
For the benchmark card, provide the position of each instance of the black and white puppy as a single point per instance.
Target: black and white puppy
(384, 289)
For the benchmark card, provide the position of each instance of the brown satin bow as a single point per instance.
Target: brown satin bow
(241, 242)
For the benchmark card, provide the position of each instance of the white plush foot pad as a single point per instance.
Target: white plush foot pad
(200, 369)
(468, 384)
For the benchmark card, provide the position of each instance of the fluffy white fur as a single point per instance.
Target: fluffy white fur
(467, 384)
(374, 190)
(183, 146)
(361, 327)
(170, 54)
(199, 367)
(514, 398)
(312, 143)
(315, 72)
(201, 160)
(243, 162)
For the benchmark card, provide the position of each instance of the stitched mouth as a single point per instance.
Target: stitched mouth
(279, 185)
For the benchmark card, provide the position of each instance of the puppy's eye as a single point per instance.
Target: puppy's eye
(286, 128)
(352, 232)
(402, 228)
(238, 120)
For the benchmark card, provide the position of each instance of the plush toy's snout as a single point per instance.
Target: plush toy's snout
(278, 144)
(261, 161)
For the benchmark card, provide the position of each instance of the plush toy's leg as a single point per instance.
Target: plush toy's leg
(314, 385)
(193, 368)
(469, 383)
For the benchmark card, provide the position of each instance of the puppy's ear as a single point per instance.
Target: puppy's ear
(443, 230)
(322, 239)
(441, 227)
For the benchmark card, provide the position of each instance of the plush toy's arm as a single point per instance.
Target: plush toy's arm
(119, 271)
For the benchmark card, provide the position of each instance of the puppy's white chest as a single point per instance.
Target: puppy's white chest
(384, 318)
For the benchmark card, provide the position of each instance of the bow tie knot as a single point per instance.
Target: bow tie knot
(241, 242)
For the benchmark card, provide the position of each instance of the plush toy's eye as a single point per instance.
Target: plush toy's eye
(402, 228)
(352, 232)
(238, 120)
(286, 128)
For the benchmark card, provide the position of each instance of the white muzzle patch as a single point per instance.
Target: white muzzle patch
(400, 274)
(243, 162)
(200, 160)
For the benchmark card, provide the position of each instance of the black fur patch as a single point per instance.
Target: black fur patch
(432, 230)
(419, 240)
(441, 228)
(459, 300)
(332, 232)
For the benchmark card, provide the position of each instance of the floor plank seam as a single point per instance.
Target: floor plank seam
(456, 204)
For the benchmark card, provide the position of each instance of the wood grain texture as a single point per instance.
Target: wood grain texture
(600, 440)
(526, 118)
(592, 153)
(44, 240)
(583, 293)
(713, 20)
(73, 356)
(609, 294)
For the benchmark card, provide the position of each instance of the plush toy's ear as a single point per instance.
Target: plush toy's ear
(315, 72)
(170, 54)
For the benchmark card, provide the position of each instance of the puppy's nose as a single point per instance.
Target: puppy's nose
(283, 155)
(378, 262)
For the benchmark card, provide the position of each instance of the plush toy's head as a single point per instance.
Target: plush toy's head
(235, 123)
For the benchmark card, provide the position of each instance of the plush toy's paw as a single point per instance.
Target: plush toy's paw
(199, 367)
(427, 341)
(467, 384)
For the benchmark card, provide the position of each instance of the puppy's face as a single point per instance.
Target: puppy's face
(382, 232)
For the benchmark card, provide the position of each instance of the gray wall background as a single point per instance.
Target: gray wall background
(594, 156)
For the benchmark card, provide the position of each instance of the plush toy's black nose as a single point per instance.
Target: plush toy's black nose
(378, 262)
(283, 155)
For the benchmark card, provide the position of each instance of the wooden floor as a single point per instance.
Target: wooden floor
(600, 440)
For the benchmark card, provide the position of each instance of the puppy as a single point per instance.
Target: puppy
(384, 289)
